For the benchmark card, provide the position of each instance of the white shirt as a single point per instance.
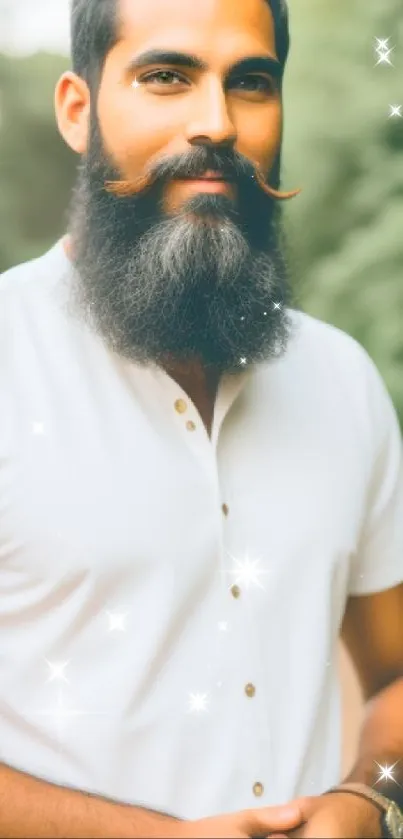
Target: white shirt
(127, 665)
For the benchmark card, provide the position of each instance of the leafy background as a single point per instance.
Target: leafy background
(346, 229)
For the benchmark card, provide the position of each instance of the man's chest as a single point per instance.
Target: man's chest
(84, 497)
(166, 572)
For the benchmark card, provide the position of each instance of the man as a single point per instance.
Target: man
(200, 487)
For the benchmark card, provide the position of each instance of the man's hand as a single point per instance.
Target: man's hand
(333, 816)
(259, 823)
(338, 816)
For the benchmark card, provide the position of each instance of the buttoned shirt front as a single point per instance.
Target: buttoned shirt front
(171, 602)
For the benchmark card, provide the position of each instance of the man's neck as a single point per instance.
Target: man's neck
(200, 384)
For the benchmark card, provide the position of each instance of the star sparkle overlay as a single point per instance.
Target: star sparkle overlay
(38, 429)
(198, 703)
(246, 572)
(117, 621)
(383, 51)
(386, 773)
(382, 44)
(57, 671)
(276, 308)
(61, 713)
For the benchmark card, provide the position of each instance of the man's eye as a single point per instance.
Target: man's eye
(163, 77)
(255, 84)
(252, 83)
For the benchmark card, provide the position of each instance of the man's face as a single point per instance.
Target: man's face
(184, 270)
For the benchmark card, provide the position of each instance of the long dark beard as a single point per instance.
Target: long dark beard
(208, 283)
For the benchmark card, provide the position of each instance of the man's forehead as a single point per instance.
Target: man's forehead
(154, 19)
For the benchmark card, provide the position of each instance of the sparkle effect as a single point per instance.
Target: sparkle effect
(246, 572)
(117, 621)
(386, 772)
(384, 58)
(395, 111)
(382, 44)
(198, 702)
(223, 626)
(38, 428)
(60, 714)
(57, 671)
(383, 51)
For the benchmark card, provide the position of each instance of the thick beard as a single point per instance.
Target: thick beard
(202, 285)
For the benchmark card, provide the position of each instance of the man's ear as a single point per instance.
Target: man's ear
(72, 105)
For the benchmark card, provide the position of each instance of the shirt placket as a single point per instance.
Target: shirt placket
(238, 606)
(238, 602)
(234, 603)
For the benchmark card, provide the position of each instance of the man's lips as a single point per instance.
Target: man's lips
(208, 176)
(210, 182)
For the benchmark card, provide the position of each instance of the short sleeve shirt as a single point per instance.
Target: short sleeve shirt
(170, 601)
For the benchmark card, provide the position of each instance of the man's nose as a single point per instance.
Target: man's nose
(212, 123)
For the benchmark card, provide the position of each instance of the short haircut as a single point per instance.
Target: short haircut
(95, 31)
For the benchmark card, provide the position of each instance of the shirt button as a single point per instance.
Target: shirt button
(181, 406)
(250, 689)
(190, 426)
(235, 591)
(258, 789)
(225, 509)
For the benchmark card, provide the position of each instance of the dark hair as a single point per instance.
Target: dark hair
(95, 31)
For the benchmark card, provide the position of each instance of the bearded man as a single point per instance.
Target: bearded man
(200, 486)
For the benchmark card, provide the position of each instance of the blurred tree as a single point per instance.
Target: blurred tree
(36, 167)
(347, 153)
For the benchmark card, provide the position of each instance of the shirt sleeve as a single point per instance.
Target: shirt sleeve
(378, 563)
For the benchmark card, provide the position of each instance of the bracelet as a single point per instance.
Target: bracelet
(362, 795)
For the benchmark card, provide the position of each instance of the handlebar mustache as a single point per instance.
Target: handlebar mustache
(127, 188)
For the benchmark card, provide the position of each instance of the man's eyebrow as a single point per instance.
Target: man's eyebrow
(250, 64)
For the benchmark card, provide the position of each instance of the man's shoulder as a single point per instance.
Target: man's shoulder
(30, 294)
(327, 361)
(34, 272)
(322, 362)
(321, 354)
(310, 335)
(19, 274)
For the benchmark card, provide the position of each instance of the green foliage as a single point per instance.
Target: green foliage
(347, 154)
(340, 145)
(36, 167)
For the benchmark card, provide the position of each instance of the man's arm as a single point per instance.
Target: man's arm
(34, 809)
(30, 807)
(373, 633)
